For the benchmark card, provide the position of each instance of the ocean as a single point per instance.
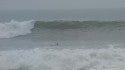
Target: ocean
(62, 39)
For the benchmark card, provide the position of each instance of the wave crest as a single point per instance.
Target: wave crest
(15, 28)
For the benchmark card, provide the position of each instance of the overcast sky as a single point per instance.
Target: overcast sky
(60, 4)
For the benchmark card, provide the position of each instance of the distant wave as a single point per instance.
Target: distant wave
(65, 59)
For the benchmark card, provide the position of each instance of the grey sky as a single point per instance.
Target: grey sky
(60, 4)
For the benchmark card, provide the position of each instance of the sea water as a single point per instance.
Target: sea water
(62, 40)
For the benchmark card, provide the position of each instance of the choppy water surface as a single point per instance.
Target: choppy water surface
(62, 44)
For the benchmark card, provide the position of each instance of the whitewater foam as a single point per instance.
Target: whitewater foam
(15, 28)
(65, 59)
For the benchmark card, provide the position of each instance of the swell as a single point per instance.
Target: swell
(15, 28)
(86, 25)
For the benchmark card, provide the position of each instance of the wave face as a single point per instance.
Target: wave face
(14, 28)
(65, 59)
(88, 25)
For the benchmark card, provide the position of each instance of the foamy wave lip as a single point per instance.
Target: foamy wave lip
(66, 59)
(15, 28)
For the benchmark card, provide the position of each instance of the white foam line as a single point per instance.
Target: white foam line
(15, 28)
(66, 59)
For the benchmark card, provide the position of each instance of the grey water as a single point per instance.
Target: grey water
(62, 39)
(67, 37)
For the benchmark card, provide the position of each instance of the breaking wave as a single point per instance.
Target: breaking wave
(65, 59)
(15, 28)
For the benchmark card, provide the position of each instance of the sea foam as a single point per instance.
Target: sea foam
(63, 59)
(15, 28)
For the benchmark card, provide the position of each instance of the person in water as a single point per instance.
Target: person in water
(57, 44)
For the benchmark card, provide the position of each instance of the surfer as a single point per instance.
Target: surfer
(57, 44)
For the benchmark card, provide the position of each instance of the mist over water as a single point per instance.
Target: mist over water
(62, 40)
